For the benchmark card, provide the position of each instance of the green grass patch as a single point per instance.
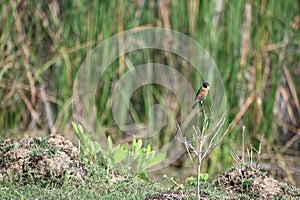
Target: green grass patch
(99, 185)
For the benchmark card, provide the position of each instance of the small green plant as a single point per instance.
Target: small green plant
(137, 158)
(192, 181)
(145, 156)
(88, 148)
(175, 186)
(204, 177)
(67, 177)
(40, 147)
(247, 183)
(6, 148)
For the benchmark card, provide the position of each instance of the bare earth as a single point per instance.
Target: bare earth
(40, 159)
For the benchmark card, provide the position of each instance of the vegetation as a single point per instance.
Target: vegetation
(122, 157)
(98, 186)
(66, 175)
(255, 44)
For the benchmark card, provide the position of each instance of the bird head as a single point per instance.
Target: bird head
(205, 85)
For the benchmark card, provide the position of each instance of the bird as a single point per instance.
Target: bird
(201, 94)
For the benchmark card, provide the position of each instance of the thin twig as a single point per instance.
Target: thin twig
(203, 136)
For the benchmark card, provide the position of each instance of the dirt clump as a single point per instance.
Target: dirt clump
(41, 159)
(251, 182)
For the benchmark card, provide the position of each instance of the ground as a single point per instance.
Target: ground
(241, 182)
(40, 159)
(50, 168)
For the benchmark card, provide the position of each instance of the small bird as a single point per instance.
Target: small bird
(201, 94)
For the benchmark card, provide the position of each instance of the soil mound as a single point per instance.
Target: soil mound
(251, 182)
(241, 182)
(41, 159)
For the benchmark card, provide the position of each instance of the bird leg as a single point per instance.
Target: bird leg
(202, 106)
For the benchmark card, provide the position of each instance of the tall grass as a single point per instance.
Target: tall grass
(43, 43)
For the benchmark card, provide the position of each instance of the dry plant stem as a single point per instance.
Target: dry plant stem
(250, 152)
(258, 154)
(199, 157)
(203, 136)
(243, 144)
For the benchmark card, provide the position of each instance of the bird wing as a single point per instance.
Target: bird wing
(198, 92)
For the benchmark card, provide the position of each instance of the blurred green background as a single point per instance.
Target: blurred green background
(255, 44)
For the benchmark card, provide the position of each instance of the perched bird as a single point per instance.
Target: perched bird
(201, 94)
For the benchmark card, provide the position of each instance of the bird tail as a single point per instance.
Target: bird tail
(194, 105)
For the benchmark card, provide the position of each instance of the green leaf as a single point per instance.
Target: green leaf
(124, 147)
(119, 155)
(150, 155)
(191, 181)
(204, 177)
(91, 148)
(80, 129)
(90, 133)
(97, 147)
(74, 126)
(110, 144)
(141, 162)
(133, 144)
(157, 159)
(138, 145)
